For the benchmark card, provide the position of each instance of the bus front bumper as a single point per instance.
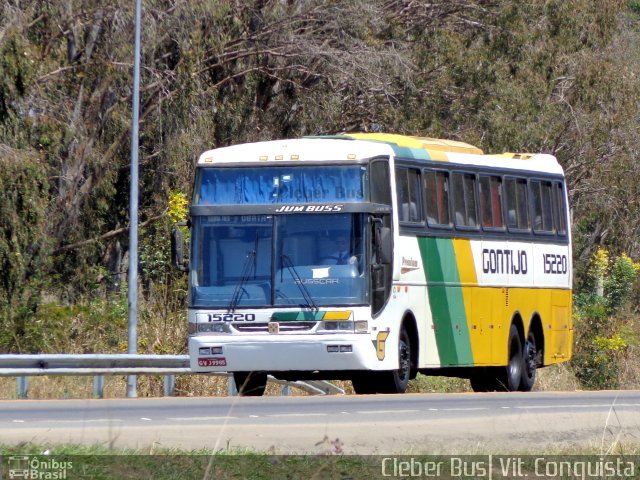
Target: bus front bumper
(299, 352)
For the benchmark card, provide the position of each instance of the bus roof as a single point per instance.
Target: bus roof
(357, 146)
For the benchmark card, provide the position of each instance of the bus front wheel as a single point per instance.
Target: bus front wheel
(250, 384)
(392, 381)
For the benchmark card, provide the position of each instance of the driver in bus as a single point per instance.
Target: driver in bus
(342, 254)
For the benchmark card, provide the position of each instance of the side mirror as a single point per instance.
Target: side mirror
(383, 242)
(177, 249)
(386, 245)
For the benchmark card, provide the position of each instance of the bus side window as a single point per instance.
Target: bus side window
(516, 203)
(490, 188)
(542, 209)
(436, 188)
(465, 200)
(559, 208)
(379, 183)
(408, 186)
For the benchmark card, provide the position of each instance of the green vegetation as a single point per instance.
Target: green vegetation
(556, 76)
(103, 463)
(608, 338)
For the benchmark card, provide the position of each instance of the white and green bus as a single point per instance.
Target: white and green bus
(372, 257)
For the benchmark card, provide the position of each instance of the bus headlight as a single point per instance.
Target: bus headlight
(213, 328)
(336, 326)
(361, 326)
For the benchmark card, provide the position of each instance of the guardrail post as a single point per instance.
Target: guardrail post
(22, 387)
(169, 385)
(98, 386)
(233, 389)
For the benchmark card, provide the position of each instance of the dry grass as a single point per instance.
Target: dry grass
(162, 330)
(630, 368)
(81, 387)
(558, 377)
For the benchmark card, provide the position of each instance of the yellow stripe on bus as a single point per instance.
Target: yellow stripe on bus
(464, 259)
(335, 315)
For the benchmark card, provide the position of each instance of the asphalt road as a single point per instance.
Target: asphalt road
(383, 424)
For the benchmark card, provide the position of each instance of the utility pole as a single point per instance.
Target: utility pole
(132, 390)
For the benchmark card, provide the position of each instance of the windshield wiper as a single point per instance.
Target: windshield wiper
(249, 264)
(298, 281)
(251, 261)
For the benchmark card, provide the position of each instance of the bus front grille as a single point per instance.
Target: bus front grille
(283, 327)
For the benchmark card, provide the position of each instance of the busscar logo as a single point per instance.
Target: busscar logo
(37, 468)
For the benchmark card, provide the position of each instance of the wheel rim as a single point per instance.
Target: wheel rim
(530, 357)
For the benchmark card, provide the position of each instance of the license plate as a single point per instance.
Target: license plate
(212, 362)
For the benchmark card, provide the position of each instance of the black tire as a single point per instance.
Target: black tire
(250, 384)
(511, 375)
(397, 381)
(485, 379)
(531, 358)
(364, 383)
(393, 381)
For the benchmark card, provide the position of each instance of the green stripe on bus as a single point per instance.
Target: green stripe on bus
(408, 152)
(296, 316)
(420, 153)
(447, 304)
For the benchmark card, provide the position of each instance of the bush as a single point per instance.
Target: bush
(23, 243)
(599, 321)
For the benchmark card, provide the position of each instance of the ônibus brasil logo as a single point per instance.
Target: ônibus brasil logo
(33, 467)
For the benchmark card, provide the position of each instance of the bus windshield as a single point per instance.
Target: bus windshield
(270, 185)
(269, 260)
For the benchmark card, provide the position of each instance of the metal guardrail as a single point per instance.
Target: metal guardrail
(23, 366)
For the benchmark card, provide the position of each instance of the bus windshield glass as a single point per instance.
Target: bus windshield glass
(269, 260)
(271, 185)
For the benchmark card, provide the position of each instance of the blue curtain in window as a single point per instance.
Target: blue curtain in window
(236, 186)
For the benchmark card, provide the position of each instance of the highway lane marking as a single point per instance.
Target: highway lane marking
(191, 419)
(91, 420)
(298, 415)
(604, 405)
(466, 409)
(377, 412)
(18, 421)
(145, 419)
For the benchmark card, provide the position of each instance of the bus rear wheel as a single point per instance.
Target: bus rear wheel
(250, 384)
(502, 379)
(531, 358)
(511, 375)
